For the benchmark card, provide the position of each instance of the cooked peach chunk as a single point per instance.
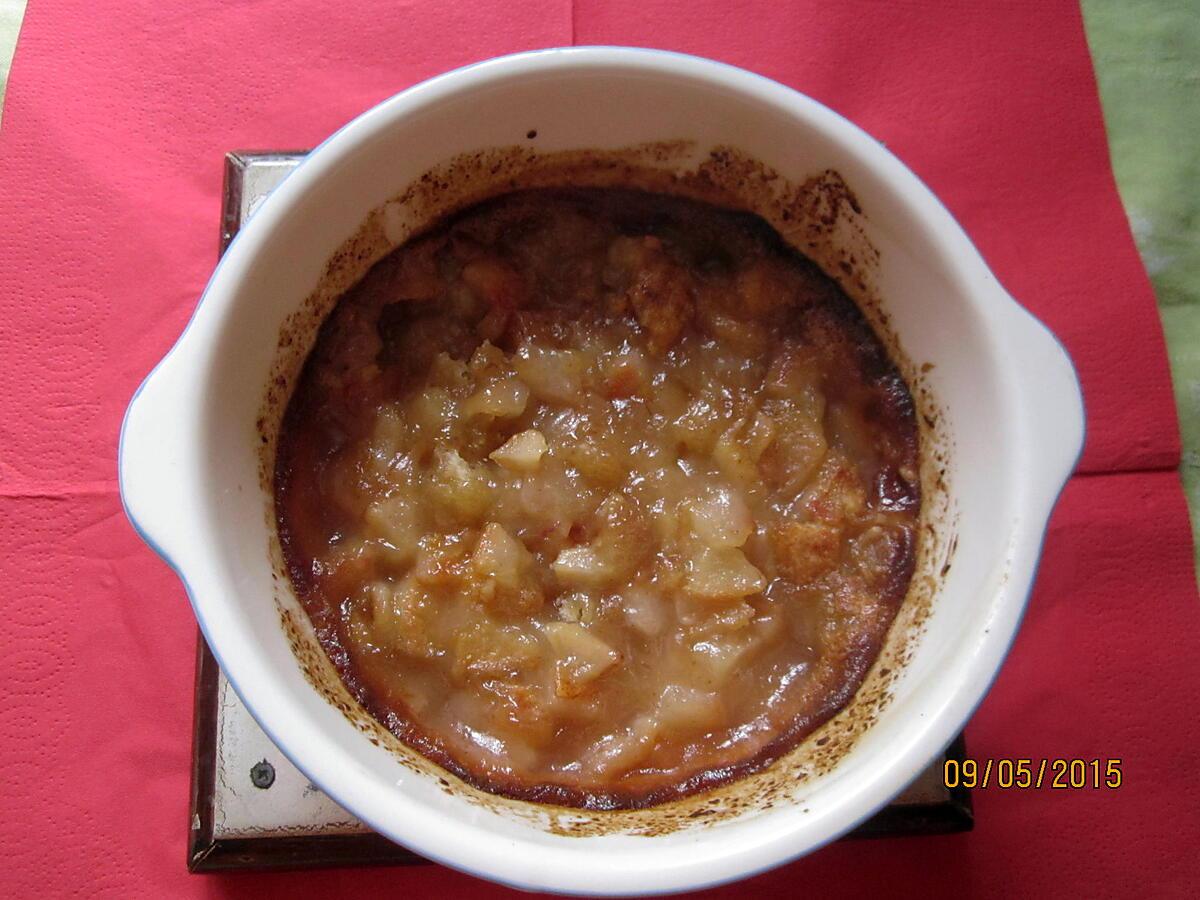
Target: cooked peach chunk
(395, 521)
(720, 518)
(585, 567)
(617, 550)
(461, 489)
(522, 452)
(441, 559)
(616, 752)
(688, 709)
(800, 446)
(747, 336)
(595, 462)
(554, 376)
(399, 617)
(504, 398)
(501, 567)
(644, 609)
(581, 657)
(741, 446)
(500, 557)
(699, 426)
(708, 664)
(722, 574)
(794, 373)
(449, 373)
(527, 707)
(488, 650)
(432, 412)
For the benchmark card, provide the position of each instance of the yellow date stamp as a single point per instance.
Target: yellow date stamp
(1029, 774)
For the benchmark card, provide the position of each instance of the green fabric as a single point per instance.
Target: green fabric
(1147, 57)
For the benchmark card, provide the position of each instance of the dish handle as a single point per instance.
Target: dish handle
(1051, 396)
(152, 468)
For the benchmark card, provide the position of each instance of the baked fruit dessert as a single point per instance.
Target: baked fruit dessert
(599, 497)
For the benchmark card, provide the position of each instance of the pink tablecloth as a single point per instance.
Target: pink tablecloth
(110, 173)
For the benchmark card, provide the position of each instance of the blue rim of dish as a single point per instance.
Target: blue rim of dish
(633, 51)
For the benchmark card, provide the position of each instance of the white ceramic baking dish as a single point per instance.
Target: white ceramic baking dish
(1002, 428)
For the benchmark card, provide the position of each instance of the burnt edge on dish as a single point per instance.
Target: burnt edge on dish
(823, 219)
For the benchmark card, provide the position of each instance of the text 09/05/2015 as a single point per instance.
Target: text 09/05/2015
(1024, 774)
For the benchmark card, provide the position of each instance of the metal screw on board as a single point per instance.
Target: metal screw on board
(262, 774)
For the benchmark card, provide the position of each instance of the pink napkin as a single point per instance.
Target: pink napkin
(995, 107)
(110, 171)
